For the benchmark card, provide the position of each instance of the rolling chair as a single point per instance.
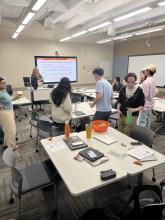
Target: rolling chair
(144, 135)
(27, 179)
(33, 121)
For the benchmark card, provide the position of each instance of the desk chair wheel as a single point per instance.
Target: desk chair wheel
(26, 115)
(11, 201)
(30, 136)
(19, 119)
(153, 179)
(37, 150)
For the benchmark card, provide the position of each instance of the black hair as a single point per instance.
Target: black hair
(1, 79)
(130, 75)
(60, 92)
(99, 71)
(151, 72)
(118, 79)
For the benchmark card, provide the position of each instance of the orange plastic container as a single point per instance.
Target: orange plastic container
(100, 125)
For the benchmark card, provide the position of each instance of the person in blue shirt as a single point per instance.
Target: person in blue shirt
(104, 95)
(7, 119)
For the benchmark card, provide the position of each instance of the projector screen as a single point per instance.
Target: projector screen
(137, 63)
(53, 69)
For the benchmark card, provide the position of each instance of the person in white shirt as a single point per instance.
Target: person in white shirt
(61, 100)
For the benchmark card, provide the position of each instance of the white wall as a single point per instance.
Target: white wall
(17, 57)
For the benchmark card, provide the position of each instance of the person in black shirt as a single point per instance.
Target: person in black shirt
(36, 77)
(131, 99)
(116, 84)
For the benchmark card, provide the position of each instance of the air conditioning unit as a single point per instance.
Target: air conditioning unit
(48, 24)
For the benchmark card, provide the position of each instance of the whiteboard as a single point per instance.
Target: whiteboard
(137, 63)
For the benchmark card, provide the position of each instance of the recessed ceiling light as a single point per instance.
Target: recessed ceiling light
(28, 18)
(161, 3)
(79, 33)
(100, 26)
(38, 5)
(104, 41)
(14, 36)
(66, 38)
(129, 15)
(20, 28)
(148, 31)
(122, 37)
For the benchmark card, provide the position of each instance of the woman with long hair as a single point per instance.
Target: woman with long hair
(61, 100)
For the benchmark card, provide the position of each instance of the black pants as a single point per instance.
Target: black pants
(102, 116)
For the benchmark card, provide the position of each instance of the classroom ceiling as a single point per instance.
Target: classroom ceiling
(58, 19)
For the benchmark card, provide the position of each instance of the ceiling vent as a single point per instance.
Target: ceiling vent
(48, 24)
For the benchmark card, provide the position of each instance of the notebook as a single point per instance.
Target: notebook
(140, 152)
(105, 138)
(91, 154)
(75, 143)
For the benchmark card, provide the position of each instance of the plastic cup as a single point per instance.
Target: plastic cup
(129, 117)
(88, 129)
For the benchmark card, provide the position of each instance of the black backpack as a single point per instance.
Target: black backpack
(147, 203)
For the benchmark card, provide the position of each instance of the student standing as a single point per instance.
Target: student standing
(7, 119)
(148, 87)
(104, 95)
(36, 77)
(116, 84)
(131, 101)
(61, 100)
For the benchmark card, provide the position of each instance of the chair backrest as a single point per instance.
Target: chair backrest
(26, 81)
(1, 136)
(76, 97)
(34, 116)
(142, 134)
(9, 157)
(9, 89)
(16, 178)
(152, 212)
(45, 126)
(16, 181)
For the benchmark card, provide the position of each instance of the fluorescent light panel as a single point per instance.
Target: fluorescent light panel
(28, 18)
(14, 36)
(129, 15)
(148, 31)
(100, 26)
(79, 33)
(104, 41)
(20, 28)
(122, 37)
(38, 5)
(65, 39)
(161, 3)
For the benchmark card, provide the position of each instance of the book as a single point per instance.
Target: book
(140, 152)
(97, 162)
(91, 154)
(75, 143)
(105, 138)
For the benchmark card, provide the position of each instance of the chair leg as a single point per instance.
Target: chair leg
(19, 206)
(11, 199)
(30, 131)
(153, 177)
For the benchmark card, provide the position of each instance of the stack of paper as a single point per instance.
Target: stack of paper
(141, 153)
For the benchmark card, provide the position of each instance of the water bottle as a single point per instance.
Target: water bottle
(129, 117)
(67, 130)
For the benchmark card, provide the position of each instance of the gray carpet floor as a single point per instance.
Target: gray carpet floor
(40, 204)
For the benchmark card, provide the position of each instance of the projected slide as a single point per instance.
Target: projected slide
(54, 68)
